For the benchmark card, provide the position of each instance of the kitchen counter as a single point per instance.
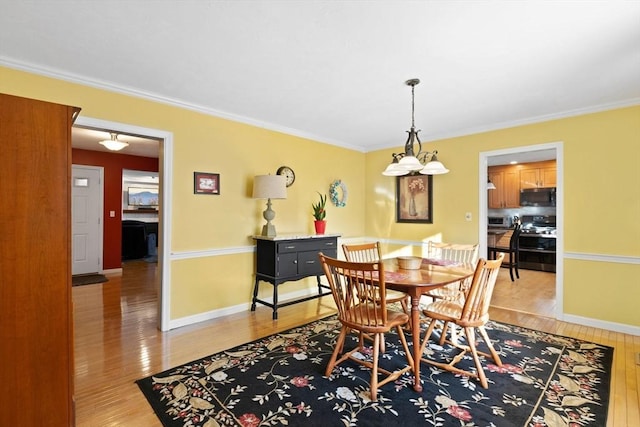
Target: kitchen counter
(494, 235)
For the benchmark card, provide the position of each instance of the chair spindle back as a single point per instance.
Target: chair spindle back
(364, 252)
(476, 306)
(348, 282)
(454, 252)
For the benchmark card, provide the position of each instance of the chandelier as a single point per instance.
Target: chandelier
(425, 162)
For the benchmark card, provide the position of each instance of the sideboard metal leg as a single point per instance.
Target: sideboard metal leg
(275, 301)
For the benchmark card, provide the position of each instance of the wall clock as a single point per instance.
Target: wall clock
(288, 173)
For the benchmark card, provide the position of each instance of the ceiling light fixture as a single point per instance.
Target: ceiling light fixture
(490, 185)
(424, 162)
(114, 144)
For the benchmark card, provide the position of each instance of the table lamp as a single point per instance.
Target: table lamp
(269, 187)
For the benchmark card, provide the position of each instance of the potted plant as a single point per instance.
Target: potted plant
(319, 213)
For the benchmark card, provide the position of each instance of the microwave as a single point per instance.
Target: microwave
(498, 221)
(538, 196)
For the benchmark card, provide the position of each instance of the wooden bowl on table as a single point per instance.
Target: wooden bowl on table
(409, 262)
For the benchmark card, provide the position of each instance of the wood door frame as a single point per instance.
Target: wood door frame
(483, 171)
(165, 162)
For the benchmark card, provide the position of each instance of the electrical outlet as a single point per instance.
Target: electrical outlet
(112, 214)
(467, 216)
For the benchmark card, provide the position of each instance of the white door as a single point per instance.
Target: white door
(86, 219)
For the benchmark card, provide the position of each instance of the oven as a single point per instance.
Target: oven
(538, 243)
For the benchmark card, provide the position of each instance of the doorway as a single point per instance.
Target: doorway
(165, 161)
(527, 154)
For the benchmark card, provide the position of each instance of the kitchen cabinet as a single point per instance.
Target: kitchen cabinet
(538, 175)
(36, 312)
(507, 191)
(282, 259)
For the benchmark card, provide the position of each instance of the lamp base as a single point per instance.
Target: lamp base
(269, 230)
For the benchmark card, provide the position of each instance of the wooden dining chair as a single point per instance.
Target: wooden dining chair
(348, 280)
(452, 252)
(370, 252)
(469, 315)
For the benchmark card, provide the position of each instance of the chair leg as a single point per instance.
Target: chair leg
(452, 331)
(494, 354)
(516, 266)
(471, 342)
(443, 336)
(427, 335)
(337, 350)
(403, 340)
(374, 369)
(405, 308)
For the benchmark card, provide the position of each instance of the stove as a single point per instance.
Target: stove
(538, 243)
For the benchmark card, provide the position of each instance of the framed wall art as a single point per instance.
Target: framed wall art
(206, 183)
(414, 199)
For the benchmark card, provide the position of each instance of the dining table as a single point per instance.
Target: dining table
(431, 274)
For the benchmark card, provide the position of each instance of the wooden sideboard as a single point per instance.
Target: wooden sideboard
(285, 259)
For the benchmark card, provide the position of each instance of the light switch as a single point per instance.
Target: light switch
(112, 214)
(467, 216)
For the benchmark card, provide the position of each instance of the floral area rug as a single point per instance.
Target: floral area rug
(545, 380)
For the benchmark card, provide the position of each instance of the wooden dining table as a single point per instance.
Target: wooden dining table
(432, 274)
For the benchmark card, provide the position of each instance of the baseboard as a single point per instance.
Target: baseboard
(221, 312)
(602, 324)
(214, 314)
(112, 271)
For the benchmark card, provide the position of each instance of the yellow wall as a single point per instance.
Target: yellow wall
(601, 196)
(237, 152)
(601, 174)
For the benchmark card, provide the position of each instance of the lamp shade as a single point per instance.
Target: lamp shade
(410, 163)
(114, 144)
(269, 187)
(434, 167)
(394, 169)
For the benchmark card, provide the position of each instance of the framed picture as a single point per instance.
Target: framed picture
(143, 197)
(206, 183)
(414, 198)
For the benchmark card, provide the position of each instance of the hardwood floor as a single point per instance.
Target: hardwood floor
(534, 292)
(117, 341)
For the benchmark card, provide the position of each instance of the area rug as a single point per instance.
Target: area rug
(545, 380)
(87, 279)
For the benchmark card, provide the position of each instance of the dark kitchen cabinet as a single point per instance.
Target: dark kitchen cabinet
(280, 260)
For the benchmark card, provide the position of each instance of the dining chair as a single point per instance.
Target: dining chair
(513, 251)
(469, 315)
(348, 280)
(452, 252)
(370, 252)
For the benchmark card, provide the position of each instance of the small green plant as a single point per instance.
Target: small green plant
(319, 213)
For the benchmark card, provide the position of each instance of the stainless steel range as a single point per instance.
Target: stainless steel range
(538, 243)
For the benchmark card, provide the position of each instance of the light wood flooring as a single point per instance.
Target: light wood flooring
(117, 341)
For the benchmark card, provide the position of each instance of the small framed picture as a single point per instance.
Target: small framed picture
(206, 183)
(414, 199)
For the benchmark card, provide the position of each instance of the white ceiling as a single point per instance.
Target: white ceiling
(334, 71)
